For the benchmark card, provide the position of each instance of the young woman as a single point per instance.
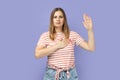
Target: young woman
(58, 44)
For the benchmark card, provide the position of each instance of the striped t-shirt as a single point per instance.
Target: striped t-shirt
(65, 56)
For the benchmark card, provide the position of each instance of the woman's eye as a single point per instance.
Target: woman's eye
(55, 16)
(61, 16)
(58, 17)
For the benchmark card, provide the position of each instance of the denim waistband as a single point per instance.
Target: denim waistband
(59, 69)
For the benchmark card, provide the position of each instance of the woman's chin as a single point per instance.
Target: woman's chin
(58, 26)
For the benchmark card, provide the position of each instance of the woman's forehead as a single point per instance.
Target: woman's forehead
(58, 13)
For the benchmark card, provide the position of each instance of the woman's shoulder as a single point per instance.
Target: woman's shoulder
(45, 33)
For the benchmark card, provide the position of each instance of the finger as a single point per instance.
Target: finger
(65, 41)
(86, 21)
(89, 18)
(86, 17)
(84, 24)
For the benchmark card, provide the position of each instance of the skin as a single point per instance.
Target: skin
(58, 21)
(88, 24)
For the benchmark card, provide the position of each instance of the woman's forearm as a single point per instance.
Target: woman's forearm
(45, 51)
(91, 42)
(41, 52)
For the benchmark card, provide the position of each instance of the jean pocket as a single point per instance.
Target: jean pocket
(74, 75)
(50, 72)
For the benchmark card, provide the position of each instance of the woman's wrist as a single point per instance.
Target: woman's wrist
(90, 30)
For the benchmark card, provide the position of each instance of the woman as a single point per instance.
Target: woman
(58, 44)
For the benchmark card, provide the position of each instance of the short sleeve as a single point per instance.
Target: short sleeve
(42, 40)
(78, 38)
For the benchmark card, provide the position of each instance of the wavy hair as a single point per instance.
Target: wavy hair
(65, 27)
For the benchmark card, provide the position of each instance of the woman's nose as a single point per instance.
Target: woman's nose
(58, 18)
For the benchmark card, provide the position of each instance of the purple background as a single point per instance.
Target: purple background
(22, 22)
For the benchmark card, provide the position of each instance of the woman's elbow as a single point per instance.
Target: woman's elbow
(37, 55)
(92, 49)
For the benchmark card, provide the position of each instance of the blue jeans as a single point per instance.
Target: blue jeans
(50, 74)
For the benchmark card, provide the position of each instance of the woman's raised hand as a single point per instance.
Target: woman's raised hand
(88, 24)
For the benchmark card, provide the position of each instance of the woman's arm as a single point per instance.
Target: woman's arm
(90, 45)
(41, 51)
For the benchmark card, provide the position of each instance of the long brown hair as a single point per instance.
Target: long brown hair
(65, 27)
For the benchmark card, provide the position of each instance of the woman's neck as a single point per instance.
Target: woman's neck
(58, 30)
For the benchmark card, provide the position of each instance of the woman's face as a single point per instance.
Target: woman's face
(58, 19)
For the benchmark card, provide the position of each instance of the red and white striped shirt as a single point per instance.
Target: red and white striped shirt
(62, 58)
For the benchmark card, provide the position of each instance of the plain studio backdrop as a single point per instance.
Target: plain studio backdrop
(22, 22)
